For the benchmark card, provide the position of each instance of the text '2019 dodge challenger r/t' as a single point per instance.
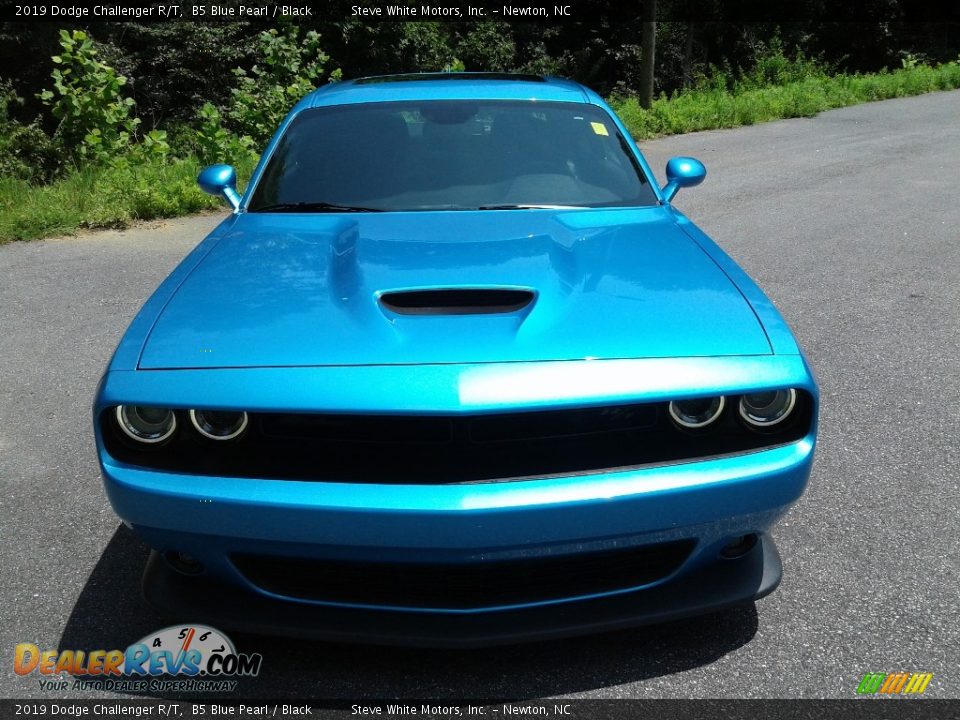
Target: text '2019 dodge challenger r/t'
(455, 372)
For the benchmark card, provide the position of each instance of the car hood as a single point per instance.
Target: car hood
(303, 290)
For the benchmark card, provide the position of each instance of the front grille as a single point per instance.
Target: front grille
(418, 449)
(480, 584)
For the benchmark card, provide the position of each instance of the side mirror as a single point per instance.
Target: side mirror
(682, 172)
(220, 180)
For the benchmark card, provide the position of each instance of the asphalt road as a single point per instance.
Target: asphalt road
(848, 221)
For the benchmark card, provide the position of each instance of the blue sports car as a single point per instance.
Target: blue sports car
(455, 372)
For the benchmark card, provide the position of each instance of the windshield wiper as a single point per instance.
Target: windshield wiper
(513, 206)
(313, 207)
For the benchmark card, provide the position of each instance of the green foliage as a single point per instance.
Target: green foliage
(392, 47)
(26, 151)
(96, 170)
(909, 60)
(214, 144)
(177, 66)
(288, 69)
(711, 105)
(155, 143)
(96, 121)
(117, 176)
(426, 46)
(773, 68)
(488, 46)
(130, 188)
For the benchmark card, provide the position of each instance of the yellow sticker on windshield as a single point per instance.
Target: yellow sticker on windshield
(599, 128)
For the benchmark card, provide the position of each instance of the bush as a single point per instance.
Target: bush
(772, 68)
(117, 176)
(289, 69)
(95, 119)
(26, 151)
(214, 144)
(488, 46)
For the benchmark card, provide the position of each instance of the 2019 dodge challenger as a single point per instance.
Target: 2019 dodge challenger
(455, 371)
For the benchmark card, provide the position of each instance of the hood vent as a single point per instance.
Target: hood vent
(457, 301)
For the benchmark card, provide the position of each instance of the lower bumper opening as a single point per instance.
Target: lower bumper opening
(456, 586)
(705, 588)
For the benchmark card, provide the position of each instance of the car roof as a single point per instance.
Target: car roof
(449, 86)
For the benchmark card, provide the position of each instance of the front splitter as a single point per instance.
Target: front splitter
(723, 583)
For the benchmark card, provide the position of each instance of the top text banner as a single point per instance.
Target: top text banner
(267, 11)
(555, 11)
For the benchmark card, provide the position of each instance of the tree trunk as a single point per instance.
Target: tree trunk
(688, 56)
(648, 51)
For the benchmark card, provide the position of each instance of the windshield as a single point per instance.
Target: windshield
(450, 155)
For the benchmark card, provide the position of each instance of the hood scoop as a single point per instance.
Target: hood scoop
(457, 301)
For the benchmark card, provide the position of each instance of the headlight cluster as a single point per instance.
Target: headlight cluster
(759, 410)
(151, 425)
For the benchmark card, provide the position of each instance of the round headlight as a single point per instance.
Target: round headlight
(146, 424)
(697, 413)
(764, 409)
(219, 424)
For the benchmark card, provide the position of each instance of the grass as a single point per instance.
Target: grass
(112, 197)
(710, 108)
(104, 197)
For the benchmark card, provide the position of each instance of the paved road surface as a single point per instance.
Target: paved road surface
(849, 222)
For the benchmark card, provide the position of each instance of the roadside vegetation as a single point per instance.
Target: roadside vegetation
(779, 88)
(99, 169)
(86, 160)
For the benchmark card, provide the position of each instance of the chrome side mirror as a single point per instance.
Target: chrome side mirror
(220, 180)
(682, 172)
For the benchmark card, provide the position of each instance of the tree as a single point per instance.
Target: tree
(648, 51)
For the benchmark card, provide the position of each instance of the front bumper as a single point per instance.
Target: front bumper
(705, 504)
